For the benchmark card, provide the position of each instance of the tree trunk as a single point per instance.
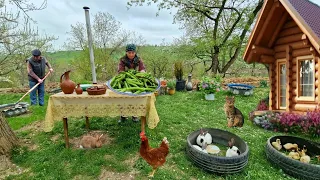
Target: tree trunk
(7, 137)
(215, 60)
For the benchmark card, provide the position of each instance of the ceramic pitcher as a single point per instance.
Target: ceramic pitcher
(67, 86)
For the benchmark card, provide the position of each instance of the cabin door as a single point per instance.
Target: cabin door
(282, 85)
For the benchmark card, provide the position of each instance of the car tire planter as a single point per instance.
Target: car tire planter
(214, 163)
(290, 166)
(241, 89)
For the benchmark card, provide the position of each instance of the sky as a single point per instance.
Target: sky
(59, 15)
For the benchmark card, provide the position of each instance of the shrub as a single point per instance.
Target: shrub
(263, 83)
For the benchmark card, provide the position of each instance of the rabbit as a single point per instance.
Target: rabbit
(91, 142)
(204, 137)
(203, 149)
(232, 150)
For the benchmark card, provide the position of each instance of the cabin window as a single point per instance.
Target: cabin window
(282, 85)
(306, 77)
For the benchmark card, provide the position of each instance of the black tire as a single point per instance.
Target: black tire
(218, 164)
(290, 166)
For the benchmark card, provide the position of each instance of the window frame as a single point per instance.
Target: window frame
(298, 60)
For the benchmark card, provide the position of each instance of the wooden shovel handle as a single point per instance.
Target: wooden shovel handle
(33, 87)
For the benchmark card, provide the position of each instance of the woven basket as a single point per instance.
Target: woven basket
(218, 164)
(96, 90)
(290, 166)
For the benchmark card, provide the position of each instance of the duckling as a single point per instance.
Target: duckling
(318, 158)
(277, 144)
(304, 157)
(294, 155)
(290, 146)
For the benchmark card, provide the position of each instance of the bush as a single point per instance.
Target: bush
(263, 83)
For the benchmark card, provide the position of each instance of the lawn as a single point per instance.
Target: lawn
(180, 114)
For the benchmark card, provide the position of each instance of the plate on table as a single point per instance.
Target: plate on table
(130, 93)
(85, 86)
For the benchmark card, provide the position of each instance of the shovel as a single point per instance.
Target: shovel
(35, 86)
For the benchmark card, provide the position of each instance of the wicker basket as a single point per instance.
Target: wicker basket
(96, 90)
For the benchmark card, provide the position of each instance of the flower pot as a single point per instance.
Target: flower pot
(180, 85)
(209, 97)
(171, 91)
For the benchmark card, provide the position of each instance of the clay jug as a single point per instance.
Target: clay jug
(79, 89)
(67, 86)
(189, 83)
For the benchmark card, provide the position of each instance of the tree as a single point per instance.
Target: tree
(7, 138)
(15, 41)
(217, 28)
(18, 39)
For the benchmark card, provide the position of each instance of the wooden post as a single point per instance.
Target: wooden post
(87, 123)
(65, 127)
(143, 123)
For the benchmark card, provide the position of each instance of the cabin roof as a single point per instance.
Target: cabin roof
(303, 12)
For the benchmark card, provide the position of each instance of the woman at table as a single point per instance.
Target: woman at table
(130, 61)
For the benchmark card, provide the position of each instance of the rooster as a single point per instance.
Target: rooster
(155, 157)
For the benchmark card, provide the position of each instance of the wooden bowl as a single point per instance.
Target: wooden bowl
(96, 90)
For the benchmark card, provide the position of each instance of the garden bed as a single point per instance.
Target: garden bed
(292, 122)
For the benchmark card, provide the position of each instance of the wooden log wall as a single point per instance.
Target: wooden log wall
(273, 85)
(317, 80)
(289, 77)
(290, 44)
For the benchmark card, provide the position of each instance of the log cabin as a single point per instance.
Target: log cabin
(286, 36)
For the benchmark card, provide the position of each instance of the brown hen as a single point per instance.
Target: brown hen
(155, 157)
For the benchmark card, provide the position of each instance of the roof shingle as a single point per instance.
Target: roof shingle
(310, 12)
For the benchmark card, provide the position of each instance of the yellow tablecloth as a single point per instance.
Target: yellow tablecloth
(110, 104)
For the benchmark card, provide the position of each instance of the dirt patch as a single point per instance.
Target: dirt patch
(29, 144)
(105, 138)
(8, 168)
(106, 175)
(130, 162)
(55, 138)
(255, 81)
(34, 127)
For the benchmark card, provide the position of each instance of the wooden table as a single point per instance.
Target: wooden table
(61, 106)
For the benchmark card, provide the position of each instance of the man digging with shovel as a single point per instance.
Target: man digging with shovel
(36, 75)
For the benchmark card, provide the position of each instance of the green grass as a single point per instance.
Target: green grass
(63, 57)
(179, 114)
